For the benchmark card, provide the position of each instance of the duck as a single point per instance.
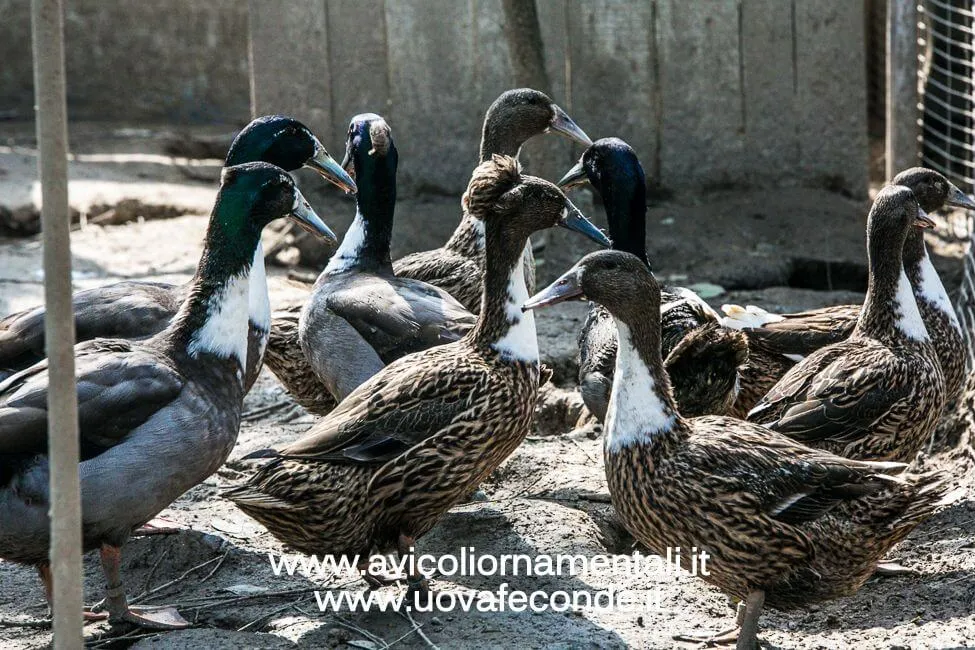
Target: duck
(778, 341)
(515, 117)
(512, 119)
(156, 416)
(782, 524)
(878, 394)
(416, 438)
(361, 315)
(137, 309)
(701, 355)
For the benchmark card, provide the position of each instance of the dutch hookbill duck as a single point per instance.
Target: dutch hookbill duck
(778, 341)
(360, 315)
(701, 356)
(418, 437)
(783, 524)
(515, 117)
(156, 417)
(878, 394)
(136, 310)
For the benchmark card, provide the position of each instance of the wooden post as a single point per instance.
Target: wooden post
(901, 150)
(62, 423)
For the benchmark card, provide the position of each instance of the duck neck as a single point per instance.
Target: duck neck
(365, 246)
(929, 291)
(497, 137)
(641, 406)
(890, 311)
(214, 318)
(502, 326)
(258, 301)
(626, 213)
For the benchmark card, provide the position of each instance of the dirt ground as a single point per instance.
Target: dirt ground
(549, 498)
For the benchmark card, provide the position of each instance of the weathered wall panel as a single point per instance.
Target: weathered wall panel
(293, 79)
(613, 82)
(432, 83)
(709, 92)
(831, 94)
(357, 63)
(134, 60)
(702, 123)
(769, 87)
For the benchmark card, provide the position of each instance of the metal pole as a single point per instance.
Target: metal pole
(52, 139)
(902, 129)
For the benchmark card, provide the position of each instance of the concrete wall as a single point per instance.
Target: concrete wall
(709, 92)
(131, 60)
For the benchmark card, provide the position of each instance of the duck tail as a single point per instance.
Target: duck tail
(891, 513)
(712, 342)
(738, 317)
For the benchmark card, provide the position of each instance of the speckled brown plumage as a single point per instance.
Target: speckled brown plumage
(798, 524)
(426, 430)
(805, 332)
(878, 394)
(287, 362)
(396, 453)
(515, 117)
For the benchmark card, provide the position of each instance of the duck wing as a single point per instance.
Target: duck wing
(459, 276)
(409, 401)
(122, 310)
(399, 316)
(805, 332)
(840, 394)
(786, 481)
(120, 386)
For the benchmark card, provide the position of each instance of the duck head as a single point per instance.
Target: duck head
(613, 169)
(519, 205)
(289, 144)
(254, 194)
(520, 114)
(371, 157)
(617, 280)
(932, 190)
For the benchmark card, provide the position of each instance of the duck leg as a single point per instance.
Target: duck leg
(47, 579)
(419, 588)
(748, 635)
(158, 526)
(154, 618)
(373, 580)
(892, 568)
(718, 639)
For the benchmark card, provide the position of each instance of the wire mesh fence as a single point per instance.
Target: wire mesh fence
(946, 43)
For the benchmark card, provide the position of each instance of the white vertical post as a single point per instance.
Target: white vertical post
(52, 139)
(902, 131)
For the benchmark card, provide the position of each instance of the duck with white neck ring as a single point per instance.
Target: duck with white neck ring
(360, 315)
(783, 524)
(701, 356)
(418, 437)
(156, 417)
(878, 394)
(134, 309)
(513, 118)
(778, 341)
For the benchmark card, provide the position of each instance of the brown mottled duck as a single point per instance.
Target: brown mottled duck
(701, 356)
(377, 472)
(778, 341)
(783, 524)
(878, 394)
(514, 118)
